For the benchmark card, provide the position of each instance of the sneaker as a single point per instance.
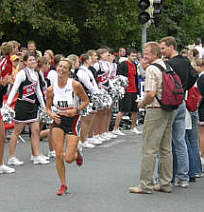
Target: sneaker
(138, 190)
(15, 162)
(181, 183)
(6, 169)
(62, 190)
(111, 135)
(43, 156)
(40, 160)
(86, 144)
(105, 136)
(94, 141)
(184, 184)
(100, 138)
(135, 130)
(199, 175)
(117, 132)
(79, 160)
(52, 154)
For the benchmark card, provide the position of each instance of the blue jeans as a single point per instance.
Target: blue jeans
(179, 147)
(195, 166)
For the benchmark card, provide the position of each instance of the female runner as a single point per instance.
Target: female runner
(65, 95)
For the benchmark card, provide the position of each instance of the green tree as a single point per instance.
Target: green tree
(39, 20)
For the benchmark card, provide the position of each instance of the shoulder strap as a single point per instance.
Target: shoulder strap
(160, 67)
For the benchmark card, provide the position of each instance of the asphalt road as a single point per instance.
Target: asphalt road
(100, 185)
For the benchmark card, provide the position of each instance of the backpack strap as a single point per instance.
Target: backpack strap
(162, 69)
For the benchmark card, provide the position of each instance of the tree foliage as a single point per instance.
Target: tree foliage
(75, 26)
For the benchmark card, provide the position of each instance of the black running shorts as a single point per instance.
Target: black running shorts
(128, 103)
(67, 124)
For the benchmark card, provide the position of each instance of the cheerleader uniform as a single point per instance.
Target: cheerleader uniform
(86, 78)
(103, 69)
(113, 71)
(27, 84)
(65, 99)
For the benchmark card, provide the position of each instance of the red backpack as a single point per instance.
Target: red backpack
(193, 99)
(172, 89)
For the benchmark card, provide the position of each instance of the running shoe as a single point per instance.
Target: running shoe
(40, 160)
(6, 169)
(43, 156)
(180, 183)
(94, 141)
(100, 138)
(105, 136)
(86, 144)
(111, 135)
(135, 130)
(79, 160)
(62, 190)
(15, 162)
(117, 132)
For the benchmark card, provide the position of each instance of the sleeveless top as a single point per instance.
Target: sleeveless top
(113, 70)
(103, 74)
(64, 98)
(27, 89)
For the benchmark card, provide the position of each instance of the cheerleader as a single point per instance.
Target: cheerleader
(86, 78)
(42, 67)
(49, 55)
(3, 88)
(111, 76)
(65, 95)
(26, 109)
(103, 69)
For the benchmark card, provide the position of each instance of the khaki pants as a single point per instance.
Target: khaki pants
(156, 139)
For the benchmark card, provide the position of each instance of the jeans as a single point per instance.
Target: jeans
(195, 166)
(179, 147)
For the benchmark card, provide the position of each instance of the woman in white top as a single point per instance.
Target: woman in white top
(45, 131)
(86, 78)
(112, 75)
(102, 117)
(26, 109)
(65, 95)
